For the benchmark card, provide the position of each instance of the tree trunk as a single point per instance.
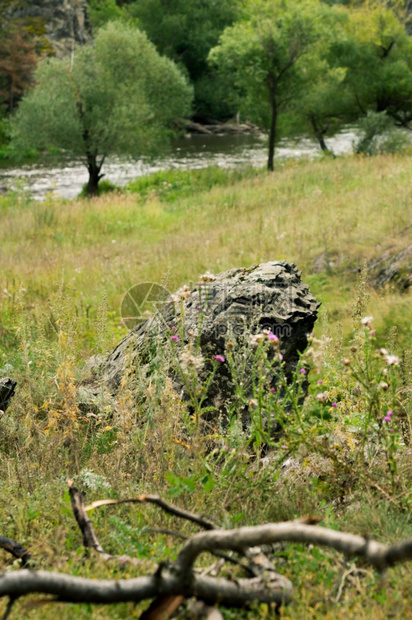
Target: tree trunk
(320, 135)
(272, 134)
(94, 175)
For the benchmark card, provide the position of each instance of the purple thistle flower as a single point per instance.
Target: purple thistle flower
(302, 371)
(320, 382)
(174, 328)
(389, 413)
(334, 405)
(175, 338)
(273, 337)
(387, 418)
(273, 390)
(390, 430)
(219, 358)
(281, 357)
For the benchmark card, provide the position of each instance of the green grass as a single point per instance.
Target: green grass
(64, 267)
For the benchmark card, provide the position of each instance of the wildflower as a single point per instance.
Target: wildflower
(225, 448)
(174, 328)
(334, 405)
(207, 277)
(273, 390)
(175, 338)
(256, 339)
(354, 349)
(389, 413)
(219, 358)
(384, 386)
(320, 382)
(273, 338)
(346, 362)
(366, 321)
(383, 352)
(190, 362)
(281, 357)
(253, 402)
(322, 397)
(183, 292)
(372, 332)
(198, 308)
(392, 360)
(390, 430)
(302, 371)
(387, 418)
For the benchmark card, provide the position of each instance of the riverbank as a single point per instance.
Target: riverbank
(64, 268)
(67, 176)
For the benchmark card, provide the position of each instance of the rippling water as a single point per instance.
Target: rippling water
(198, 151)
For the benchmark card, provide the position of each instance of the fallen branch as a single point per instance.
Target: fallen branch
(155, 499)
(90, 540)
(172, 583)
(107, 591)
(15, 549)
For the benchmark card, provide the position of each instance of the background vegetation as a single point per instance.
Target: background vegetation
(65, 266)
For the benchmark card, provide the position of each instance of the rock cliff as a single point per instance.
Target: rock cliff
(66, 21)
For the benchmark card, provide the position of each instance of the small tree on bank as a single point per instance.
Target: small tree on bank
(264, 57)
(117, 97)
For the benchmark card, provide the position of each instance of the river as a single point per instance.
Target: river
(66, 178)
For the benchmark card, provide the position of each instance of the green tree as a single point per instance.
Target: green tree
(117, 97)
(265, 55)
(323, 101)
(184, 31)
(377, 57)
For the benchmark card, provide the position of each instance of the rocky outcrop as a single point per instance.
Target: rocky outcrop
(66, 21)
(221, 313)
(7, 387)
(393, 269)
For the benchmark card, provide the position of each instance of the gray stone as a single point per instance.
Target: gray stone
(221, 312)
(7, 387)
(392, 269)
(66, 22)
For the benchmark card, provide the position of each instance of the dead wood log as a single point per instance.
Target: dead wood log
(90, 540)
(15, 549)
(172, 583)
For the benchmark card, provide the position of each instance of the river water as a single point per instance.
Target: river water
(66, 178)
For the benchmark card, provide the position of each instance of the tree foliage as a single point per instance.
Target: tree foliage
(377, 56)
(118, 97)
(22, 43)
(184, 31)
(265, 56)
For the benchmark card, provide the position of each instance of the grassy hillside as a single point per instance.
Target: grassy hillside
(64, 267)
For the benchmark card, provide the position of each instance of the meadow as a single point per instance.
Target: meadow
(64, 268)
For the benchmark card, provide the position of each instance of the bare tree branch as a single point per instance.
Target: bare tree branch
(15, 549)
(106, 591)
(155, 499)
(377, 554)
(90, 540)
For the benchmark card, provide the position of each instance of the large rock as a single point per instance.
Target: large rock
(222, 312)
(66, 21)
(7, 387)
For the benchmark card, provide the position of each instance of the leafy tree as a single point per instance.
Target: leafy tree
(118, 97)
(18, 61)
(22, 43)
(377, 56)
(184, 31)
(265, 56)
